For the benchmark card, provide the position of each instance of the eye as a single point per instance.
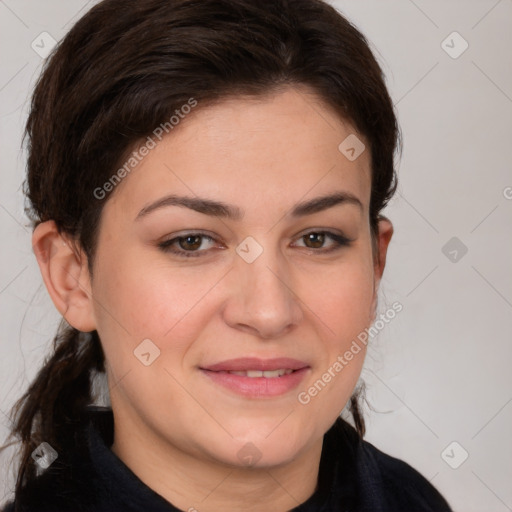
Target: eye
(187, 245)
(316, 240)
(193, 244)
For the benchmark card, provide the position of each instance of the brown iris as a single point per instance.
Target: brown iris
(191, 242)
(317, 239)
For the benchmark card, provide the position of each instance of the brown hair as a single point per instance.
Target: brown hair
(121, 71)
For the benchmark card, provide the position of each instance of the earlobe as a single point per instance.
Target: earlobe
(65, 274)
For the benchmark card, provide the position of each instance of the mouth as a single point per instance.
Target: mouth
(257, 378)
(253, 364)
(268, 374)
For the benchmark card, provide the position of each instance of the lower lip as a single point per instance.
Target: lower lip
(258, 387)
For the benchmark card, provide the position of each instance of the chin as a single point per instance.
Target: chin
(256, 455)
(262, 444)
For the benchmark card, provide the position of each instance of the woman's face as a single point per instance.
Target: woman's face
(252, 276)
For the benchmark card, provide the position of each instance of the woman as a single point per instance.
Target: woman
(206, 181)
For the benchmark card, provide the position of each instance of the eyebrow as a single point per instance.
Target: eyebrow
(221, 209)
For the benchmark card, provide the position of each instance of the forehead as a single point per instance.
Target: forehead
(253, 152)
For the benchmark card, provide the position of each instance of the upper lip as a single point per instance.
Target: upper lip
(253, 363)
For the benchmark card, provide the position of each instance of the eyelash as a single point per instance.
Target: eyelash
(166, 245)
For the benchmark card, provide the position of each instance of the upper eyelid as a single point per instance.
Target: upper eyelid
(187, 234)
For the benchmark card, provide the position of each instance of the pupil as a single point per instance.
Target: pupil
(319, 239)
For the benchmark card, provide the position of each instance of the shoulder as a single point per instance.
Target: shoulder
(402, 487)
(65, 485)
(60, 490)
(383, 483)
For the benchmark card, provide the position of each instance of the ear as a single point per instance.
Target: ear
(384, 237)
(65, 274)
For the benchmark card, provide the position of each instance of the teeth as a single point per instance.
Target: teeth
(258, 373)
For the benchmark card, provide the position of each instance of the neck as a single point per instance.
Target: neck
(193, 484)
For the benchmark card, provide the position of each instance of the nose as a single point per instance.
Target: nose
(262, 299)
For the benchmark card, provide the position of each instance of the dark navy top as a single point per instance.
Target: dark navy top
(354, 476)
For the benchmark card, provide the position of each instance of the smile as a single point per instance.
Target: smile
(253, 377)
(258, 373)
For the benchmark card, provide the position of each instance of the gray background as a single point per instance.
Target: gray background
(439, 373)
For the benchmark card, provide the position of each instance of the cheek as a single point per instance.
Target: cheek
(344, 309)
(136, 300)
(342, 297)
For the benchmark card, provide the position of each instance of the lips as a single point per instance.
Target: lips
(258, 378)
(249, 364)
